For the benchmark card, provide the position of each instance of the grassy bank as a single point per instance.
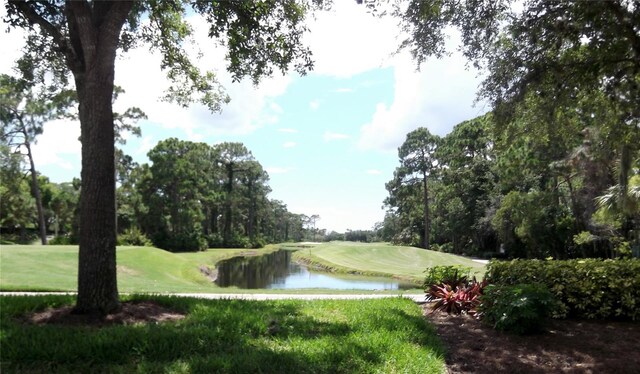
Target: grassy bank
(380, 259)
(152, 270)
(140, 269)
(230, 336)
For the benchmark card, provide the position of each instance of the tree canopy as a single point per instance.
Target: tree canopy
(80, 39)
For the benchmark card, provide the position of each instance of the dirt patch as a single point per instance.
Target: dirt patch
(126, 270)
(567, 346)
(211, 274)
(130, 313)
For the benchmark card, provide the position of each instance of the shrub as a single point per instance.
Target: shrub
(238, 241)
(259, 242)
(24, 237)
(133, 236)
(215, 240)
(181, 242)
(61, 240)
(587, 288)
(520, 309)
(449, 274)
(456, 298)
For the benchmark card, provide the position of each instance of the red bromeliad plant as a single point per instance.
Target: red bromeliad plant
(456, 299)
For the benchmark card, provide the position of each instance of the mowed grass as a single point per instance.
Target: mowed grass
(152, 270)
(140, 269)
(382, 259)
(229, 336)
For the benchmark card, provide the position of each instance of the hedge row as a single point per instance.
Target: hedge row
(585, 288)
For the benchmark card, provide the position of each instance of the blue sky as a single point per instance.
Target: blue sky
(328, 139)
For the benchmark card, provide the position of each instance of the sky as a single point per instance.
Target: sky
(328, 139)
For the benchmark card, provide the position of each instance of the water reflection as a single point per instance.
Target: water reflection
(275, 270)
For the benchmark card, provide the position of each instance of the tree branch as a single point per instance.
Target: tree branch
(25, 8)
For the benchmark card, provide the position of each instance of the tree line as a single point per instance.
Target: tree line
(191, 197)
(553, 170)
(520, 191)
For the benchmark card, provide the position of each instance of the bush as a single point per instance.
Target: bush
(587, 288)
(215, 241)
(61, 240)
(238, 241)
(259, 242)
(133, 236)
(181, 242)
(25, 237)
(520, 309)
(456, 298)
(450, 274)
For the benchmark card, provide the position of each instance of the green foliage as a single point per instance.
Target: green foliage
(409, 189)
(531, 226)
(588, 288)
(238, 241)
(191, 241)
(62, 240)
(133, 236)
(21, 237)
(229, 336)
(448, 274)
(520, 309)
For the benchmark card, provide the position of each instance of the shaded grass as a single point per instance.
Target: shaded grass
(230, 336)
(381, 259)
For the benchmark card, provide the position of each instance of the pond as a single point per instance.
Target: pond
(276, 271)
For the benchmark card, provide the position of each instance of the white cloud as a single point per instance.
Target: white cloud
(374, 172)
(348, 41)
(438, 97)
(147, 143)
(58, 140)
(314, 104)
(12, 43)
(342, 218)
(251, 107)
(289, 144)
(330, 136)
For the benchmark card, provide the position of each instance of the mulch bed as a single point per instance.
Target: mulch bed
(567, 346)
(130, 313)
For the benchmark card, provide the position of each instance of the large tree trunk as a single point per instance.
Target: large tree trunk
(94, 33)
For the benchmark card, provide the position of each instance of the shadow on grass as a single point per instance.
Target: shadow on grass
(229, 336)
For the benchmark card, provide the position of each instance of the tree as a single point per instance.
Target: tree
(84, 37)
(565, 60)
(234, 159)
(467, 185)
(417, 162)
(552, 48)
(16, 204)
(24, 109)
(178, 181)
(255, 180)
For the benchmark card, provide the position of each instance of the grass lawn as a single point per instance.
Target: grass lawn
(381, 259)
(229, 336)
(140, 269)
(152, 270)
